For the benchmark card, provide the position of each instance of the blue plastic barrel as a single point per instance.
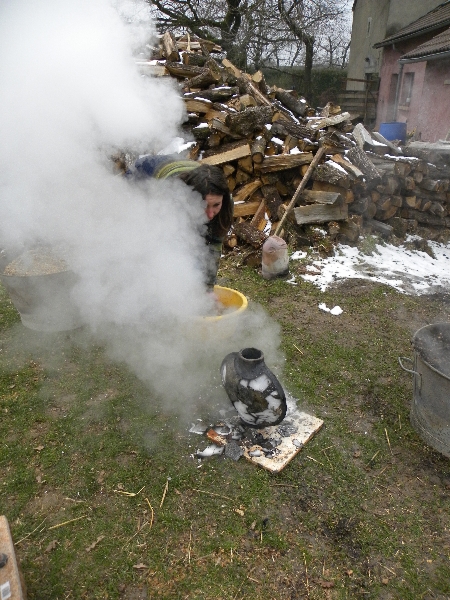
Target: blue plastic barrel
(394, 131)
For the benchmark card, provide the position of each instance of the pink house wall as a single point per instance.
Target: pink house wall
(433, 115)
(428, 113)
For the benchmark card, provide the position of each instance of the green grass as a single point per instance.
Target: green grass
(361, 512)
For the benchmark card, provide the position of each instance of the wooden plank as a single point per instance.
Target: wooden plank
(227, 156)
(290, 437)
(320, 213)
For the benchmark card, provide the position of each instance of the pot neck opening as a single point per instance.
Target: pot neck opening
(252, 354)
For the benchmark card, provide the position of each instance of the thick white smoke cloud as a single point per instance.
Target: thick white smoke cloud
(69, 96)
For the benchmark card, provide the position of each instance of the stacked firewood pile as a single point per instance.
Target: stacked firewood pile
(264, 140)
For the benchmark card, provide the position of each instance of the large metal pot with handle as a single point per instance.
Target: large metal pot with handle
(430, 408)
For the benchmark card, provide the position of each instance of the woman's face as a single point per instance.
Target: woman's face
(213, 204)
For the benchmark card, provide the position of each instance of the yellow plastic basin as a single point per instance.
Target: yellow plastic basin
(230, 299)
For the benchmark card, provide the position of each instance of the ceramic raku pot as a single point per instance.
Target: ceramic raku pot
(253, 389)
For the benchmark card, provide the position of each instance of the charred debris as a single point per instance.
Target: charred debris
(264, 139)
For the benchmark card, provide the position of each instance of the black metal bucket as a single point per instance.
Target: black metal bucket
(430, 409)
(44, 301)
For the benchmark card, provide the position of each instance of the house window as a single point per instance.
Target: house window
(407, 86)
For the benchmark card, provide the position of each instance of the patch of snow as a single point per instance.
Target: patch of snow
(408, 271)
(337, 310)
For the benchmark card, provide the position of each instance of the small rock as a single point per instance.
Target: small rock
(233, 450)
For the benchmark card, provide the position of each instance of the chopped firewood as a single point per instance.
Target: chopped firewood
(331, 172)
(319, 197)
(357, 157)
(246, 191)
(170, 49)
(259, 215)
(258, 149)
(383, 228)
(321, 123)
(197, 105)
(231, 68)
(183, 71)
(297, 106)
(245, 209)
(321, 213)
(354, 171)
(265, 140)
(350, 230)
(247, 121)
(285, 161)
(324, 186)
(249, 234)
(259, 81)
(246, 164)
(273, 200)
(228, 156)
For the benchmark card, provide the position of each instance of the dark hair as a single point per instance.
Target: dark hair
(208, 179)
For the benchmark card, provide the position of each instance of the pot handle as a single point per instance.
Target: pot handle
(400, 358)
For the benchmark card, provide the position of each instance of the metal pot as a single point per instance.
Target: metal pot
(430, 409)
(44, 301)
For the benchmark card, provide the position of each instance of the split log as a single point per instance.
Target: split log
(354, 171)
(350, 230)
(363, 162)
(383, 228)
(247, 101)
(331, 173)
(323, 186)
(231, 68)
(227, 155)
(319, 197)
(438, 210)
(249, 234)
(320, 213)
(247, 121)
(316, 124)
(246, 87)
(245, 192)
(197, 105)
(258, 149)
(361, 136)
(204, 79)
(259, 215)
(246, 164)
(408, 184)
(170, 49)
(217, 94)
(273, 200)
(409, 202)
(295, 105)
(260, 82)
(425, 218)
(433, 185)
(285, 161)
(380, 138)
(359, 206)
(201, 131)
(183, 71)
(245, 209)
